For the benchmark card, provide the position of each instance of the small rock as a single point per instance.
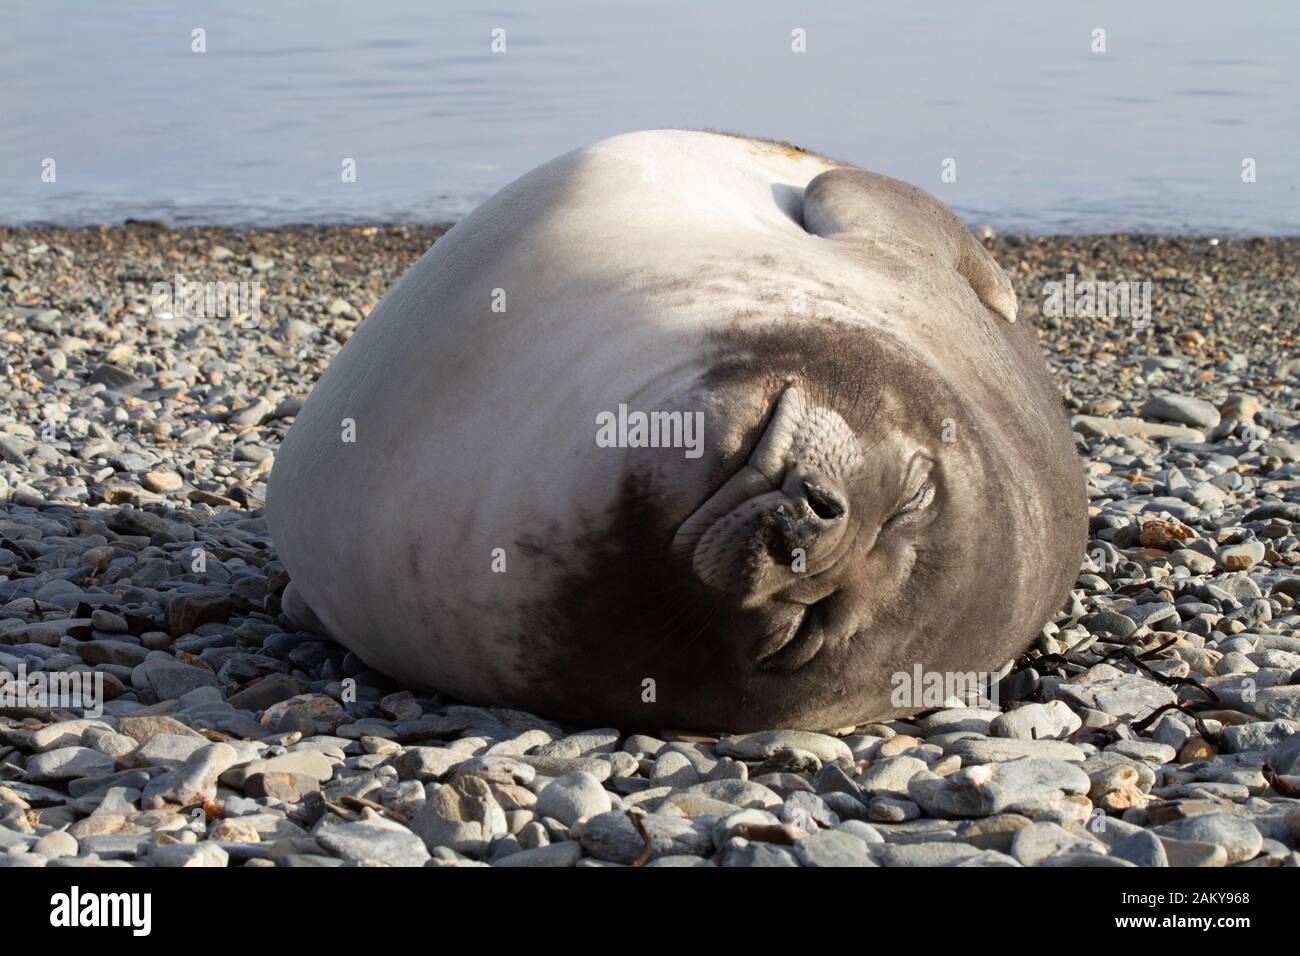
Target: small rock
(1141, 849)
(1053, 720)
(68, 763)
(1038, 841)
(552, 855)
(206, 854)
(1240, 839)
(1241, 557)
(463, 816)
(832, 848)
(1181, 409)
(612, 836)
(760, 746)
(572, 797)
(161, 482)
(374, 840)
(55, 845)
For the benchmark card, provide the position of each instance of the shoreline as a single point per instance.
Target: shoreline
(981, 231)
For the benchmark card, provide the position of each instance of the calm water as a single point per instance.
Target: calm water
(1047, 135)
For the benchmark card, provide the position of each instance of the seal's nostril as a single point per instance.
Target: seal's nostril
(826, 504)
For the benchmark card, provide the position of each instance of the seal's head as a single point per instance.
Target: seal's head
(811, 532)
(861, 511)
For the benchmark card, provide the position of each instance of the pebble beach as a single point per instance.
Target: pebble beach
(1155, 721)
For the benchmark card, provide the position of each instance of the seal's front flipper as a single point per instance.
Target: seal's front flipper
(295, 607)
(852, 204)
(985, 276)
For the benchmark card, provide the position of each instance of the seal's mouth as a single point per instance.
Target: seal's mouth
(802, 636)
(774, 529)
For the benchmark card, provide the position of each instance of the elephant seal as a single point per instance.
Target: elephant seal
(683, 429)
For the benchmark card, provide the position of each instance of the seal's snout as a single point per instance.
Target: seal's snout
(783, 514)
(808, 511)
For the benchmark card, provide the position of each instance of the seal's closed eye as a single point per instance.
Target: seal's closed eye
(919, 500)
